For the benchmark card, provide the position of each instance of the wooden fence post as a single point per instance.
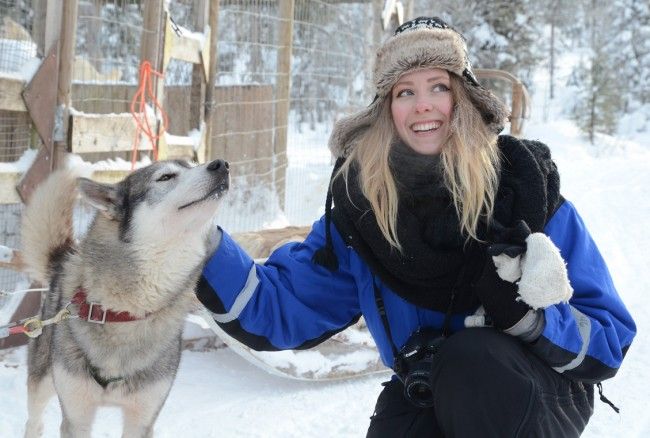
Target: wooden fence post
(516, 118)
(282, 97)
(63, 19)
(198, 87)
(210, 93)
(153, 25)
(68, 40)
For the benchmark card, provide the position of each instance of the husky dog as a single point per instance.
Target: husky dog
(129, 282)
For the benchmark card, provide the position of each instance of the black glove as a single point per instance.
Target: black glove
(499, 298)
(508, 241)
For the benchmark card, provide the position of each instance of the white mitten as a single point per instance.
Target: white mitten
(544, 280)
(508, 268)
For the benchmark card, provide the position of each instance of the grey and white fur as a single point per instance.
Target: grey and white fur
(142, 254)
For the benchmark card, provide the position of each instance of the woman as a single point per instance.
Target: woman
(447, 239)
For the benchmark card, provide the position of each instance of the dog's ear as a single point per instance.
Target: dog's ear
(101, 196)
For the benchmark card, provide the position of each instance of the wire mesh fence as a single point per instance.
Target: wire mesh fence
(18, 56)
(279, 158)
(107, 43)
(246, 101)
(17, 46)
(10, 280)
(105, 63)
(286, 71)
(328, 72)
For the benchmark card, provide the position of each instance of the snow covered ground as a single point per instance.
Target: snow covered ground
(218, 394)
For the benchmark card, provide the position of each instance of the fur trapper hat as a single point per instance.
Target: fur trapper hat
(418, 44)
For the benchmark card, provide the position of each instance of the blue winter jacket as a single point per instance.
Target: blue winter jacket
(292, 303)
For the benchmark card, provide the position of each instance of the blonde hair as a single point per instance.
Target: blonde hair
(469, 158)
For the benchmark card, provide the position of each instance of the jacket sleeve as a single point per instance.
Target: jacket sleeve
(287, 303)
(588, 337)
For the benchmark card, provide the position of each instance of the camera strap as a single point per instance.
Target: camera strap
(381, 308)
(379, 300)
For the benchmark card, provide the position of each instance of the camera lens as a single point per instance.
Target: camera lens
(413, 365)
(418, 390)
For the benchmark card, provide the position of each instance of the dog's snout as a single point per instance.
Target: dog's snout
(218, 165)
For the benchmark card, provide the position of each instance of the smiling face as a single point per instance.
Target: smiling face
(421, 108)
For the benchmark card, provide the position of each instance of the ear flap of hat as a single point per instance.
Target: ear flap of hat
(492, 109)
(347, 130)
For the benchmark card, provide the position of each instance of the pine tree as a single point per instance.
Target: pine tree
(500, 34)
(637, 40)
(602, 85)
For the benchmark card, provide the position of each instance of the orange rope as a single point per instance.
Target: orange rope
(145, 90)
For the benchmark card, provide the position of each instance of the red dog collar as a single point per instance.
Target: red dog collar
(94, 312)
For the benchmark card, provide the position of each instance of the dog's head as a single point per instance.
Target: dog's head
(166, 198)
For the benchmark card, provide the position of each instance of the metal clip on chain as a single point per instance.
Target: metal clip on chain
(33, 327)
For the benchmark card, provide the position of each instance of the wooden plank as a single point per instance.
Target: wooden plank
(67, 44)
(243, 129)
(11, 94)
(210, 94)
(106, 98)
(183, 48)
(11, 259)
(8, 180)
(109, 176)
(53, 23)
(260, 244)
(206, 53)
(151, 32)
(39, 8)
(67, 34)
(286, 8)
(178, 147)
(199, 79)
(202, 151)
(104, 133)
(39, 170)
(489, 73)
(517, 109)
(40, 97)
(8, 193)
(520, 98)
(188, 48)
(179, 102)
(152, 50)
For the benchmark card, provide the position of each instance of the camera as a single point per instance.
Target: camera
(413, 365)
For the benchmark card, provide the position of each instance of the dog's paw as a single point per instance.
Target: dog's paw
(544, 279)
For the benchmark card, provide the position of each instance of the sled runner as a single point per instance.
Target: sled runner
(351, 353)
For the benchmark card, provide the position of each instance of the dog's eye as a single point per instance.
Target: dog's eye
(166, 177)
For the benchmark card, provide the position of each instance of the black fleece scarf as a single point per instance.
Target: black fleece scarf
(435, 257)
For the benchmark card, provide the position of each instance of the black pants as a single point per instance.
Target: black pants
(487, 384)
